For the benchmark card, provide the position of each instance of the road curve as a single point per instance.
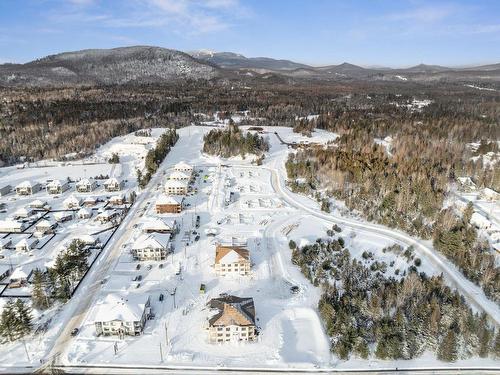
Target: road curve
(472, 293)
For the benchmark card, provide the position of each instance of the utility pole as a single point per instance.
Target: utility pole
(161, 353)
(26, 350)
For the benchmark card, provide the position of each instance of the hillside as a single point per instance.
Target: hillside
(108, 66)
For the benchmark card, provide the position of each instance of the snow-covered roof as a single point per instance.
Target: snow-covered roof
(11, 224)
(23, 212)
(24, 185)
(84, 182)
(38, 203)
(43, 224)
(182, 165)
(153, 240)
(83, 212)
(18, 273)
(175, 184)
(89, 200)
(169, 199)
(159, 224)
(122, 307)
(480, 221)
(112, 181)
(178, 175)
(118, 197)
(61, 214)
(71, 201)
(27, 242)
(55, 184)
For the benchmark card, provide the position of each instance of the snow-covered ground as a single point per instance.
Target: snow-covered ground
(264, 215)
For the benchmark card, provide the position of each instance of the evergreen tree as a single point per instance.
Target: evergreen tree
(39, 296)
(447, 351)
(15, 320)
(496, 346)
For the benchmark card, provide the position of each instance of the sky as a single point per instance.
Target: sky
(394, 33)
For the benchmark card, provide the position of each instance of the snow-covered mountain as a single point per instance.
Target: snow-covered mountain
(108, 66)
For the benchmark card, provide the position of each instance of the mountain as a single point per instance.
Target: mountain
(423, 68)
(230, 60)
(108, 66)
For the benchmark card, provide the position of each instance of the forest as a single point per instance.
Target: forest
(233, 142)
(368, 314)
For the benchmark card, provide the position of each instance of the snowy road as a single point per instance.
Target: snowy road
(473, 293)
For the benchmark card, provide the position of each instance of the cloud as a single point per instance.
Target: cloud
(185, 17)
(426, 14)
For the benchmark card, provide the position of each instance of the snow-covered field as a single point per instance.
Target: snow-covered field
(261, 215)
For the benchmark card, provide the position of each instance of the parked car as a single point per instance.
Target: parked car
(74, 332)
(150, 267)
(161, 265)
(197, 237)
(138, 267)
(161, 297)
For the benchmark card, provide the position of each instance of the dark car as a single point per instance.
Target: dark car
(138, 267)
(161, 297)
(74, 332)
(197, 237)
(294, 289)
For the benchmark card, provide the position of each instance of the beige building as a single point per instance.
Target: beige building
(85, 185)
(183, 167)
(27, 188)
(121, 315)
(232, 260)
(113, 184)
(153, 246)
(174, 187)
(234, 320)
(57, 187)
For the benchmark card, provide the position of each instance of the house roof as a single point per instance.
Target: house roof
(26, 242)
(24, 184)
(84, 182)
(23, 211)
(182, 165)
(71, 200)
(119, 306)
(8, 224)
(223, 251)
(38, 203)
(153, 240)
(43, 223)
(175, 184)
(55, 183)
(178, 175)
(112, 181)
(159, 224)
(169, 199)
(232, 310)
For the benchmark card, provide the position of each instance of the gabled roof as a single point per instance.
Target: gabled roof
(38, 203)
(182, 165)
(175, 184)
(26, 242)
(223, 251)
(55, 183)
(153, 240)
(71, 200)
(169, 199)
(43, 223)
(24, 184)
(122, 307)
(83, 212)
(232, 311)
(112, 181)
(9, 223)
(159, 224)
(178, 175)
(23, 211)
(85, 182)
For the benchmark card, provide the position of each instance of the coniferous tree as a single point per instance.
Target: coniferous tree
(447, 351)
(39, 294)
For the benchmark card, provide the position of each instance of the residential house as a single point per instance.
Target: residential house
(26, 244)
(23, 213)
(85, 185)
(44, 226)
(83, 213)
(57, 187)
(27, 188)
(153, 246)
(39, 204)
(20, 276)
(71, 202)
(232, 260)
(169, 204)
(89, 202)
(233, 321)
(121, 315)
(12, 226)
(107, 216)
(117, 200)
(112, 184)
(62, 216)
(173, 187)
